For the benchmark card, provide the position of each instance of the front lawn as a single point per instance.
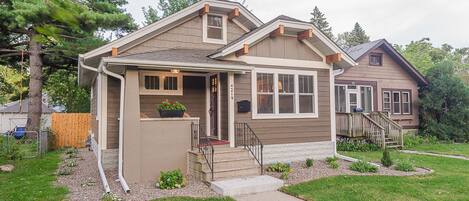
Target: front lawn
(451, 149)
(194, 199)
(450, 181)
(32, 179)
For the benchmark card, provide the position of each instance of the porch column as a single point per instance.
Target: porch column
(231, 109)
(131, 134)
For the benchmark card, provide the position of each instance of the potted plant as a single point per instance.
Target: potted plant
(168, 109)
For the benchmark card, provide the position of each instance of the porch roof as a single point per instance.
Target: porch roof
(185, 59)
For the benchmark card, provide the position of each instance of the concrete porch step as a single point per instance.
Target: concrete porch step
(230, 163)
(246, 185)
(226, 173)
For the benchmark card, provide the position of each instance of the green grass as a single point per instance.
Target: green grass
(450, 181)
(452, 149)
(32, 179)
(194, 199)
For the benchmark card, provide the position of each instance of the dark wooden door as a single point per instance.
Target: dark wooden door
(213, 111)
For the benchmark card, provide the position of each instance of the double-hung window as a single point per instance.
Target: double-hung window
(397, 101)
(405, 102)
(160, 83)
(387, 101)
(284, 94)
(214, 28)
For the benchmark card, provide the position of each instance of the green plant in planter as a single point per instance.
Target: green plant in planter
(168, 106)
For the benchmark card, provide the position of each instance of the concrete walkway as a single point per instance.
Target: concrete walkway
(266, 196)
(433, 154)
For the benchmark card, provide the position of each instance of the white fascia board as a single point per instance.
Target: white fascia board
(166, 21)
(297, 25)
(178, 65)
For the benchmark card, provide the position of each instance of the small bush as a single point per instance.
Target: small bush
(71, 163)
(284, 175)
(64, 171)
(13, 152)
(330, 159)
(110, 197)
(347, 144)
(386, 159)
(363, 167)
(279, 167)
(405, 166)
(71, 151)
(414, 140)
(332, 162)
(309, 162)
(171, 180)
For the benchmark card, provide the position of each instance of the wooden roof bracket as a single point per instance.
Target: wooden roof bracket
(334, 58)
(204, 10)
(243, 51)
(114, 52)
(233, 14)
(306, 34)
(280, 31)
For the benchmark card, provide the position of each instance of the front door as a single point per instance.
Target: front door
(353, 100)
(213, 111)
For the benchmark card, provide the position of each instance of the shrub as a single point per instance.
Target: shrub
(110, 197)
(71, 151)
(168, 106)
(64, 171)
(279, 167)
(414, 140)
(13, 152)
(309, 162)
(405, 166)
(363, 167)
(332, 162)
(386, 159)
(284, 175)
(171, 180)
(347, 144)
(71, 163)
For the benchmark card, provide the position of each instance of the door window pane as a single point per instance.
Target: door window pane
(366, 98)
(353, 101)
(265, 93)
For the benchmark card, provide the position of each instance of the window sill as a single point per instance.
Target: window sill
(284, 116)
(215, 41)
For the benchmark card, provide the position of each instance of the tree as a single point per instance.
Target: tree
(12, 84)
(42, 27)
(62, 88)
(445, 104)
(356, 37)
(318, 19)
(167, 7)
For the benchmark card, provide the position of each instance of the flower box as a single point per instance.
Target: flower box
(171, 113)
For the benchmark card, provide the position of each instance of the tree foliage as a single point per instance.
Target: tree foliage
(318, 19)
(445, 104)
(355, 37)
(62, 88)
(166, 7)
(13, 83)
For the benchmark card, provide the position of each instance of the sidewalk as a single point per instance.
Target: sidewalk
(266, 196)
(433, 154)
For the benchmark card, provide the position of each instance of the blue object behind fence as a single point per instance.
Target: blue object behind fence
(19, 132)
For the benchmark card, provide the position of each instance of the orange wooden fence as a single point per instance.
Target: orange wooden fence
(70, 129)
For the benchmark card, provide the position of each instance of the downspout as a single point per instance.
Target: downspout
(103, 68)
(100, 164)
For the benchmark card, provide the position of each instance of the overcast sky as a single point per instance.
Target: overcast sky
(399, 21)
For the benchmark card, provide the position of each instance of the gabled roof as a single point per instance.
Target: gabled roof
(14, 107)
(167, 21)
(357, 52)
(327, 45)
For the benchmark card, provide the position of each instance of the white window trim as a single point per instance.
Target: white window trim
(394, 102)
(276, 114)
(390, 101)
(408, 102)
(358, 92)
(161, 91)
(223, 41)
(372, 96)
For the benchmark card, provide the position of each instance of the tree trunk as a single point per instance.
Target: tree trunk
(35, 85)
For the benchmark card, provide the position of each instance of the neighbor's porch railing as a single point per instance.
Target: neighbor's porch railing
(200, 141)
(245, 136)
(392, 129)
(360, 125)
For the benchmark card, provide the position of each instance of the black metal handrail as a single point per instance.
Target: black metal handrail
(201, 141)
(246, 137)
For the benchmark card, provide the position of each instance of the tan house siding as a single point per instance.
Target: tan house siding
(93, 111)
(113, 103)
(185, 36)
(388, 76)
(282, 131)
(285, 47)
(193, 98)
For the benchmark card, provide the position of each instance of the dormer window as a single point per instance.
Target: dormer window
(376, 59)
(214, 28)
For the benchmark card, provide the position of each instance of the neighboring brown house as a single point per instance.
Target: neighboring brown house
(266, 88)
(382, 81)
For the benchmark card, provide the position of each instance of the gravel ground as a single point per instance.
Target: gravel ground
(320, 169)
(85, 184)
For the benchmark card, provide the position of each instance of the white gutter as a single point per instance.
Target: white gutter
(121, 123)
(338, 72)
(100, 164)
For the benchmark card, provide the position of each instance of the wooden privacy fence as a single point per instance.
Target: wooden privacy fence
(70, 129)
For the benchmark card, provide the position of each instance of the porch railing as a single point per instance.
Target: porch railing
(245, 137)
(373, 131)
(392, 129)
(200, 141)
(349, 124)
